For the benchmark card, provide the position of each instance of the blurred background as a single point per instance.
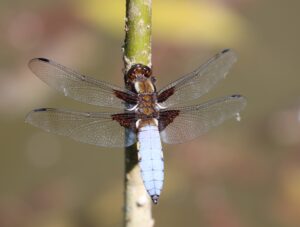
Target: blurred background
(241, 174)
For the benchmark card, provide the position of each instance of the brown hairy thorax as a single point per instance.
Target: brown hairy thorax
(140, 80)
(147, 105)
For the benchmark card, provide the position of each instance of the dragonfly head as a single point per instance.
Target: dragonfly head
(140, 78)
(138, 71)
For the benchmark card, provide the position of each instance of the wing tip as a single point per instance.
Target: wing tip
(238, 96)
(28, 118)
(40, 59)
(37, 60)
(241, 99)
(43, 59)
(41, 109)
(229, 52)
(225, 51)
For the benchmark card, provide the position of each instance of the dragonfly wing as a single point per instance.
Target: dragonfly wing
(198, 82)
(182, 124)
(93, 128)
(79, 87)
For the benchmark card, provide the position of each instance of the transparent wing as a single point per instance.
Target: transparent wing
(93, 128)
(193, 121)
(77, 86)
(198, 82)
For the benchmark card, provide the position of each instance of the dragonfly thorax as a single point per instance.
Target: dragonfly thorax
(144, 86)
(147, 105)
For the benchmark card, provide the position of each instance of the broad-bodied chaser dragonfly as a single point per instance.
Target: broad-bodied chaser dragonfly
(148, 115)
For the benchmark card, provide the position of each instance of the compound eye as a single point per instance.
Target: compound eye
(147, 71)
(138, 70)
(131, 76)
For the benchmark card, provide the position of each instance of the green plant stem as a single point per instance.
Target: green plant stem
(138, 33)
(137, 49)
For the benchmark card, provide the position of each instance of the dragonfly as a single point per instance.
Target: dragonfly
(138, 114)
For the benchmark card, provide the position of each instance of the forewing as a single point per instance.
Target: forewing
(198, 82)
(189, 122)
(80, 87)
(93, 128)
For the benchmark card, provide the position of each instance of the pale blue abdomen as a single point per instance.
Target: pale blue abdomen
(151, 160)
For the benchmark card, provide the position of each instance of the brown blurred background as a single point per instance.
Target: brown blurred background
(241, 174)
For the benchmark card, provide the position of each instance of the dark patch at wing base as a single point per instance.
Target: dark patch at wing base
(165, 94)
(131, 99)
(166, 117)
(126, 120)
